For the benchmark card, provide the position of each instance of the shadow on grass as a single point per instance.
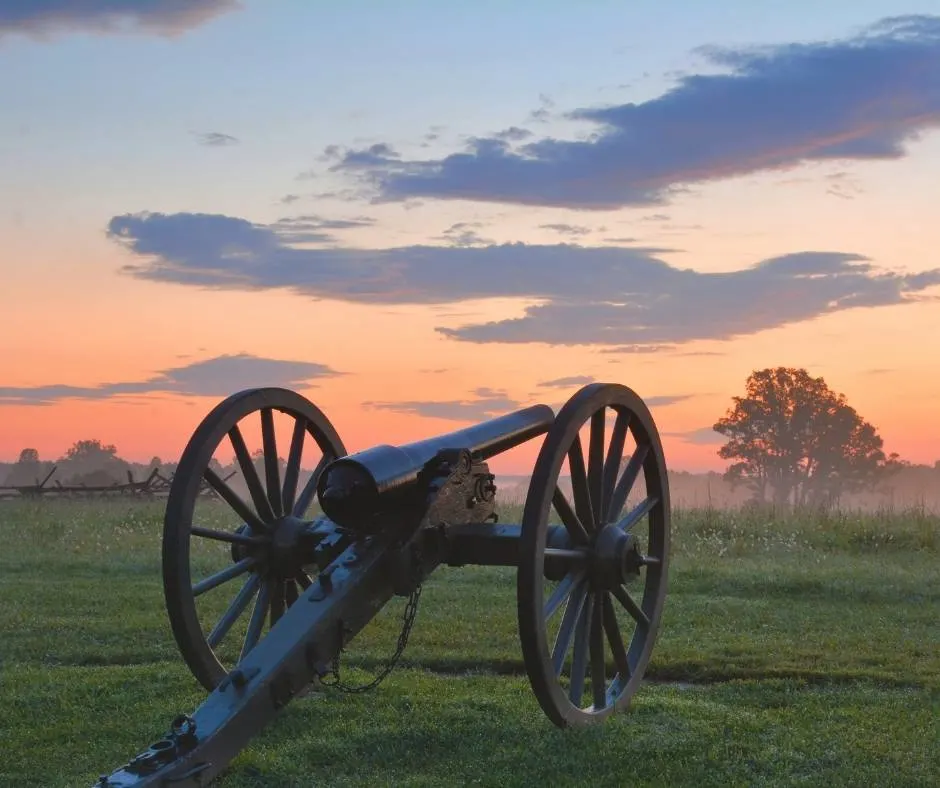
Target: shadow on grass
(424, 729)
(485, 733)
(361, 670)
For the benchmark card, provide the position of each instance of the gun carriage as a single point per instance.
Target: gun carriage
(590, 587)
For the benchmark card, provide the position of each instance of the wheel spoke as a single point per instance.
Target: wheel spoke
(616, 640)
(598, 677)
(290, 592)
(272, 475)
(566, 630)
(250, 474)
(234, 610)
(257, 618)
(614, 459)
(227, 536)
(580, 657)
(579, 485)
(232, 571)
(310, 488)
(278, 591)
(624, 598)
(637, 513)
(595, 473)
(561, 592)
(569, 518)
(630, 474)
(294, 457)
(232, 498)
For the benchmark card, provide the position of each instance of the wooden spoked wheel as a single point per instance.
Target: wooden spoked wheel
(591, 594)
(234, 538)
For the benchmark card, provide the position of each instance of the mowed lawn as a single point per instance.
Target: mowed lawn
(794, 651)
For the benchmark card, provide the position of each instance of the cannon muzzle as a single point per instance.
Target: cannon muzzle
(354, 489)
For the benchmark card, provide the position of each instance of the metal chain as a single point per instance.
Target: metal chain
(408, 619)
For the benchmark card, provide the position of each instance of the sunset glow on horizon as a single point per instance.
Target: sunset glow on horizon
(423, 217)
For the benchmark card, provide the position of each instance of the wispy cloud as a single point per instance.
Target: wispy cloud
(216, 139)
(568, 229)
(665, 400)
(214, 377)
(690, 353)
(310, 228)
(632, 299)
(626, 349)
(842, 184)
(486, 403)
(514, 134)
(41, 18)
(703, 436)
(653, 402)
(464, 234)
(573, 380)
(860, 98)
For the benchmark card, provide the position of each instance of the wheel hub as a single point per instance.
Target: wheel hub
(616, 558)
(286, 552)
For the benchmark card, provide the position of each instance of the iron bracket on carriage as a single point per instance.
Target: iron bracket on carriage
(591, 564)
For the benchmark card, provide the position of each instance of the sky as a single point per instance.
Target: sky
(424, 214)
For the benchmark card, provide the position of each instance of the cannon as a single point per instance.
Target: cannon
(591, 570)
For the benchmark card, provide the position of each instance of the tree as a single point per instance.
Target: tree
(795, 437)
(28, 457)
(91, 462)
(90, 450)
(28, 469)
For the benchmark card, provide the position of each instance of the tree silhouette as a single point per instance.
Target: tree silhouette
(28, 457)
(93, 450)
(28, 469)
(793, 436)
(93, 463)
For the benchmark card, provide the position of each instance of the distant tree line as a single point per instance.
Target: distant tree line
(86, 462)
(791, 440)
(91, 463)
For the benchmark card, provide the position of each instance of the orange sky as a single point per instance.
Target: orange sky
(95, 326)
(70, 316)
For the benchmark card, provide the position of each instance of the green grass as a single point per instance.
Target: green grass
(800, 650)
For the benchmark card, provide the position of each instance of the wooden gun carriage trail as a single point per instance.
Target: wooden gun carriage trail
(590, 590)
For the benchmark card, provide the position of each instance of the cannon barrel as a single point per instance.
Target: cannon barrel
(352, 489)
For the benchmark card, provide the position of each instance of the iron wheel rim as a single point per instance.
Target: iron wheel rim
(632, 417)
(217, 425)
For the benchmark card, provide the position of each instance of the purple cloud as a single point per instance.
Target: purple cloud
(776, 107)
(213, 377)
(619, 297)
(40, 18)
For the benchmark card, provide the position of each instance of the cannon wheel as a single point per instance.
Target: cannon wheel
(602, 553)
(274, 503)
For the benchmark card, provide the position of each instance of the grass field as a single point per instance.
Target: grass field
(794, 651)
